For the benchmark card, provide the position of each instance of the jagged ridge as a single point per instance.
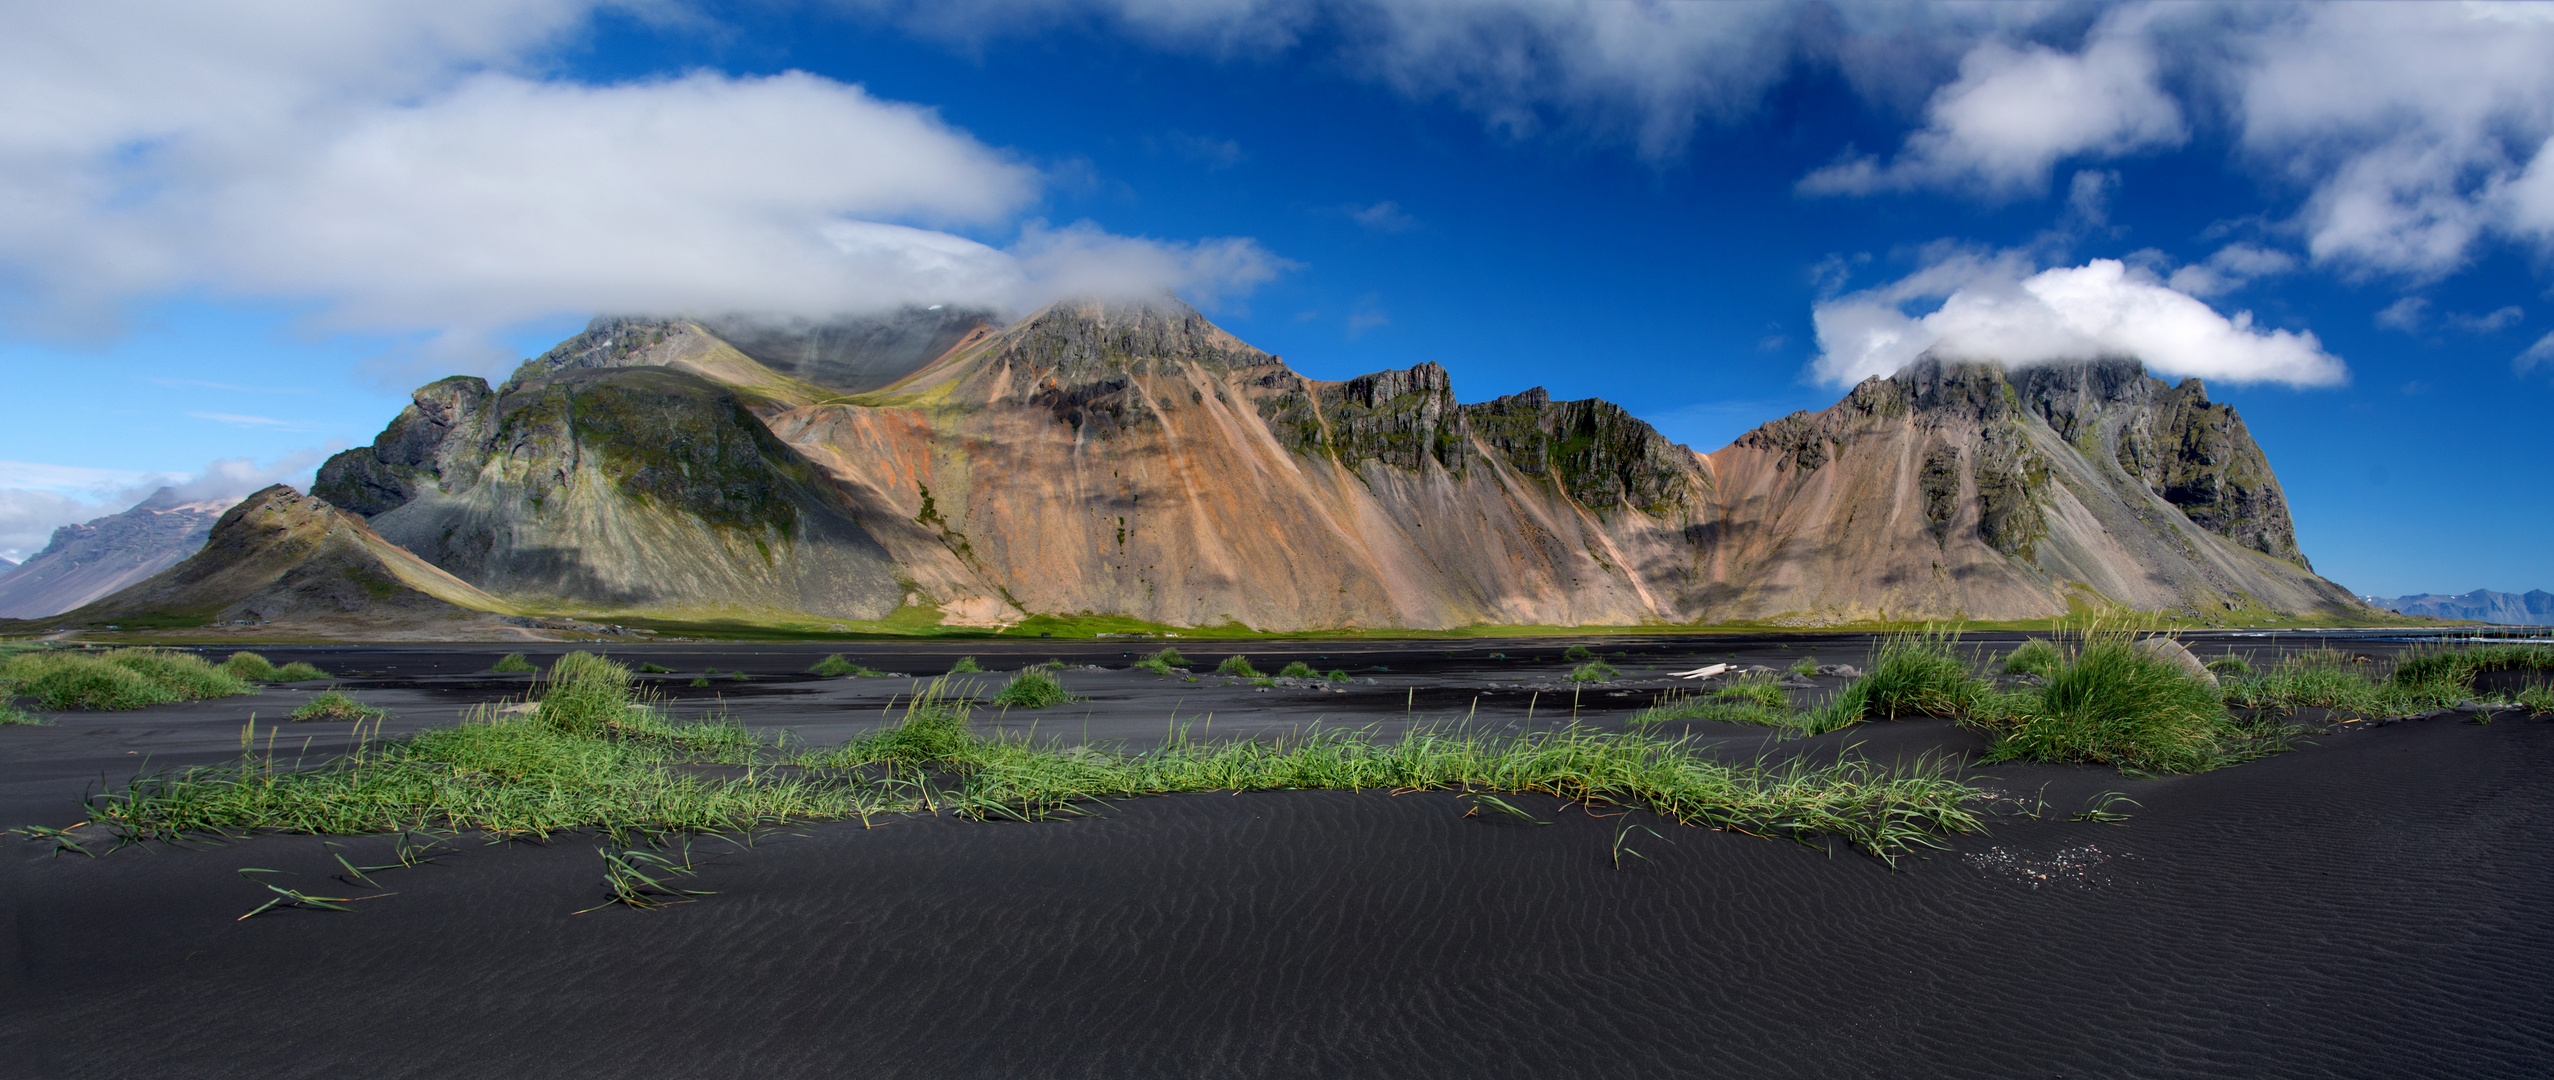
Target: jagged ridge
(1134, 459)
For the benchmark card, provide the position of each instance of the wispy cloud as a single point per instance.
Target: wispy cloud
(1386, 216)
(232, 386)
(243, 420)
(2488, 323)
(2538, 354)
(1367, 315)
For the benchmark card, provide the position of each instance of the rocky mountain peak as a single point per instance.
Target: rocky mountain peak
(1077, 340)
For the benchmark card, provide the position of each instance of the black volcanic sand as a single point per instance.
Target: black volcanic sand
(2371, 904)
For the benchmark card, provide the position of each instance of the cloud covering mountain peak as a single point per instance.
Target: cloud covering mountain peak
(2103, 308)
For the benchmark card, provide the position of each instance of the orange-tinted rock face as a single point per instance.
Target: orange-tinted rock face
(1135, 460)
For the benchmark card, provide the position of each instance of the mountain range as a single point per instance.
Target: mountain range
(2532, 608)
(85, 562)
(1134, 462)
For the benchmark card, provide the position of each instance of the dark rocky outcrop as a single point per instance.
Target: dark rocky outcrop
(631, 486)
(1602, 455)
(2170, 438)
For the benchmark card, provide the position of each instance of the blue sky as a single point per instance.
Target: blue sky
(232, 241)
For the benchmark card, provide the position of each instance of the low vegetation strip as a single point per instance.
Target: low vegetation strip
(596, 754)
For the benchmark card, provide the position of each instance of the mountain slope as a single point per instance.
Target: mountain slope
(619, 487)
(1136, 460)
(85, 562)
(2532, 608)
(1961, 489)
(281, 557)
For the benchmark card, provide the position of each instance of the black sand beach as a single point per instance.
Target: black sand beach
(2372, 903)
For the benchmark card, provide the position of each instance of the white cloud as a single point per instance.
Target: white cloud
(2418, 129)
(2103, 308)
(398, 168)
(2016, 110)
(2540, 353)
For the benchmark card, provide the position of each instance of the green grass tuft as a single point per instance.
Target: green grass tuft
(2459, 665)
(2230, 665)
(698, 681)
(10, 713)
(966, 665)
(1170, 657)
(513, 664)
(249, 666)
(1337, 675)
(117, 679)
(1297, 669)
(1807, 665)
(1578, 653)
(2109, 704)
(297, 671)
(1034, 687)
(835, 666)
(2038, 656)
(1915, 674)
(655, 669)
(1237, 665)
(335, 704)
(1593, 671)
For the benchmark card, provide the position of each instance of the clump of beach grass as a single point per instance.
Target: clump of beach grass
(2424, 680)
(1035, 687)
(1914, 674)
(513, 664)
(335, 704)
(1237, 665)
(10, 713)
(2038, 656)
(835, 666)
(652, 668)
(1578, 653)
(2459, 665)
(2109, 703)
(1337, 675)
(1805, 666)
(1593, 671)
(1297, 669)
(966, 665)
(117, 678)
(250, 667)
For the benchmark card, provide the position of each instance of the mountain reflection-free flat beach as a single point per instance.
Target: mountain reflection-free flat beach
(2366, 904)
